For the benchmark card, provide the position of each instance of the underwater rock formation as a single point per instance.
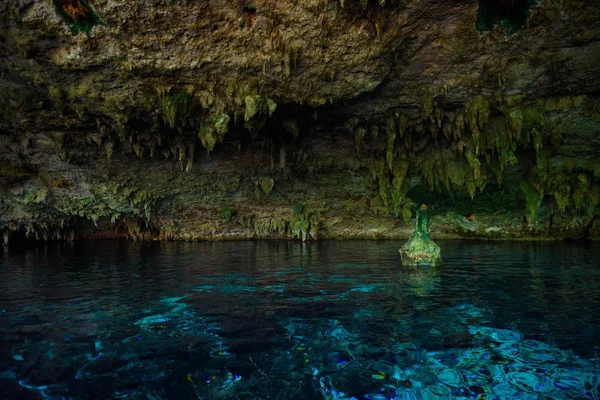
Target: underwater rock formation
(420, 250)
(151, 119)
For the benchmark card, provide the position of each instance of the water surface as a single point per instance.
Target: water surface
(286, 320)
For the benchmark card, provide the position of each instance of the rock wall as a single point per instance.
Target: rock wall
(213, 119)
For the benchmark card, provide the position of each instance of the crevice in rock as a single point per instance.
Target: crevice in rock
(250, 15)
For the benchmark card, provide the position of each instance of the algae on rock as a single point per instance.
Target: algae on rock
(420, 250)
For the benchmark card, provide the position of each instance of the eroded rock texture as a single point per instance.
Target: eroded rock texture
(211, 119)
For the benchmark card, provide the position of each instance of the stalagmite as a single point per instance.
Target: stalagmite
(420, 250)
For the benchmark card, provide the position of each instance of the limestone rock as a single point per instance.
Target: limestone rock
(354, 108)
(416, 252)
(420, 250)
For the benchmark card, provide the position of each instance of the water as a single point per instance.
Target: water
(285, 320)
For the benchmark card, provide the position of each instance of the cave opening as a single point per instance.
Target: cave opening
(510, 14)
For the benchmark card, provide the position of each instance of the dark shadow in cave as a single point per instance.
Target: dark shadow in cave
(510, 14)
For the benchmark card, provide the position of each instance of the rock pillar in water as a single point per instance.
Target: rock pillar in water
(420, 250)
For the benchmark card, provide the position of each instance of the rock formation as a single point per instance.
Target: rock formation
(420, 250)
(218, 119)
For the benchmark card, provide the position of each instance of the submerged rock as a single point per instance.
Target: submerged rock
(420, 250)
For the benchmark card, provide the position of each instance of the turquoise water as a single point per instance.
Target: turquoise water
(286, 320)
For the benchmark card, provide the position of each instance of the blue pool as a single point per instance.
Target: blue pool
(286, 320)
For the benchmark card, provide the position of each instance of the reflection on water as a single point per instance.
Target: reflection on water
(286, 320)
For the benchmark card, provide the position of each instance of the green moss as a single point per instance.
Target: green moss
(226, 213)
(563, 103)
(141, 201)
(208, 136)
(263, 227)
(112, 202)
(300, 226)
(427, 102)
(474, 162)
(541, 168)
(569, 164)
(271, 106)
(533, 200)
(420, 249)
(35, 196)
(46, 226)
(458, 173)
(359, 135)
(477, 114)
(391, 138)
(176, 106)
(497, 142)
(407, 211)
(593, 200)
(422, 225)
(279, 225)
(399, 188)
(538, 141)
(89, 207)
(56, 97)
(559, 187)
(298, 208)
(581, 186)
(257, 105)
(290, 59)
(314, 220)
(266, 184)
(120, 124)
(109, 148)
(303, 226)
(191, 149)
(513, 101)
(138, 150)
(253, 106)
(384, 188)
(514, 120)
(222, 125)
(562, 196)
(533, 126)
